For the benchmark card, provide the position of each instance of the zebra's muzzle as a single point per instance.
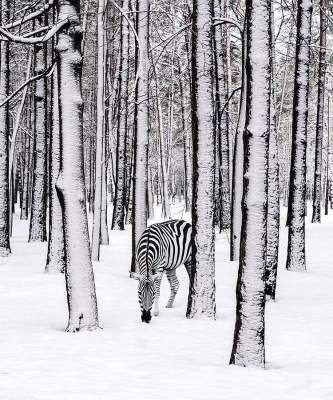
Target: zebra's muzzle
(145, 316)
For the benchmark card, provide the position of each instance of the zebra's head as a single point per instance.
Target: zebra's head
(146, 292)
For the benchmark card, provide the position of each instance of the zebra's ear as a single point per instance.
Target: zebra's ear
(136, 276)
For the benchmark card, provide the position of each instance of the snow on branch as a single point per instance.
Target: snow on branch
(219, 21)
(26, 39)
(31, 16)
(48, 72)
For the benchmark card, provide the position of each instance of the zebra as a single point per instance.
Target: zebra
(162, 248)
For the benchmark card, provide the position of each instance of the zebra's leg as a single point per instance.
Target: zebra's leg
(188, 266)
(157, 296)
(174, 285)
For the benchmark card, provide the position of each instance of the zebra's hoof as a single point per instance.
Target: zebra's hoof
(169, 305)
(156, 313)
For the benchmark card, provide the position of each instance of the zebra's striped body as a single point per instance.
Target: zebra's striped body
(162, 248)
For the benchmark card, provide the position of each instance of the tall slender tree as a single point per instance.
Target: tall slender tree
(248, 347)
(118, 219)
(316, 213)
(238, 161)
(297, 181)
(4, 138)
(273, 211)
(201, 302)
(139, 211)
(37, 230)
(99, 165)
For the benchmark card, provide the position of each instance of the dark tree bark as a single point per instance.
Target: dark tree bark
(316, 213)
(248, 347)
(4, 139)
(201, 302)
(118, 219)
(238, 162)
(37, 230)
(273, 212)
(297, 182)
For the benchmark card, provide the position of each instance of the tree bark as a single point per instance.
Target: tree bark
(99, 166)
(297, 182)
(139, 212)
(118, 219)
(201, 302)
(248, 347)
(273, 211)
(316, 213)
(37, 230)
(4, 140)
(70, 185)
(55, 261)
(238, 162)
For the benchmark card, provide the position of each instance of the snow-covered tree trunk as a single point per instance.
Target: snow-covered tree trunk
(99, 166)
(139, 211)
(201, 302)
(248, 347)
(4, 139)
(118, 219)
(273, 210)
(166, 212)
(26, 182)
(316, 214)
(225, 122)
(37, 229)
(55, 261)
(238, 162)
(70, 185)
(104, 207)
(297, 182)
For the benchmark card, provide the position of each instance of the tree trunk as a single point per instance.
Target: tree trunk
(118, 219)
(55, 261)
(273, 211)
(96, 234)
(225, 122)
(201, 302)
(238, 162)
(316, 214)
(297, 182)
(70, 185)
(248, 347)
(37, 230)
(139, 213)
(4, 139)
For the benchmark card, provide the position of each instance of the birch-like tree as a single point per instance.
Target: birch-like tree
(37, 229)
(297, 181)
(139, 210)
(317, 192)
(118, 219)
(273, 209)
(99, 164)
(4, 138)
(248, 347)
(201, 302)
(238, 161)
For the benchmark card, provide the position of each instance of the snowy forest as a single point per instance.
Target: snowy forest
(166, 199)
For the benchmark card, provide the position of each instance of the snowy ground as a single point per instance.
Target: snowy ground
(172, 358)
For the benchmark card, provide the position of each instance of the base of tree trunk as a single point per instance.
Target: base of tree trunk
(4, 252)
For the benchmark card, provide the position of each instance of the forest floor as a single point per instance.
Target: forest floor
(172, 358)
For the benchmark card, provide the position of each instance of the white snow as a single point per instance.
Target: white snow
(172, 358)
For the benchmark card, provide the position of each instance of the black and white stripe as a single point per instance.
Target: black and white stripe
(162, 248)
